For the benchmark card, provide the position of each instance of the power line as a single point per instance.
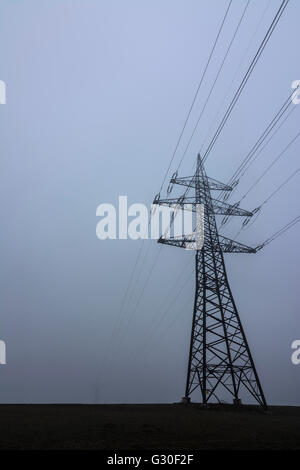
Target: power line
(279, 232)
(139, 273)
(265, 145)
(196, 94)
(281, 186)
(246, 225)
(212, 88)
(133, 311)
(243, 83)
(178, 142)
(155, 326)
(287, 103)
(118, 317)
(234, 76)
(228, 217)
(164, 315)
(214, 83)
(246, 76)
(271, 165)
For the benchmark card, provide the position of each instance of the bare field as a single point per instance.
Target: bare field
(154, 426)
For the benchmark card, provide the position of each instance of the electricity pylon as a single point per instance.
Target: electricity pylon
(219, 355)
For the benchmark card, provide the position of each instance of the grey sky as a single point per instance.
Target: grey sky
(97, 93)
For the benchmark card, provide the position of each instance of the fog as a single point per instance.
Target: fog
(97, 95)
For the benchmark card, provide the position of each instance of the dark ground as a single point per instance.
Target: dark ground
(147, 427)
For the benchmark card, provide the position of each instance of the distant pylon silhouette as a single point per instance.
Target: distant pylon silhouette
(219, 356)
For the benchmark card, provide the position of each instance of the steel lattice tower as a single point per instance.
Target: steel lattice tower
(219, 355)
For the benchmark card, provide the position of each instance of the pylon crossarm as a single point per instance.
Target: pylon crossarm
(218, 186)
(175, 201)
(222, 208)
(191, 183)
(219, 207)
(231, 246)
(226, 245)
(178, 242)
